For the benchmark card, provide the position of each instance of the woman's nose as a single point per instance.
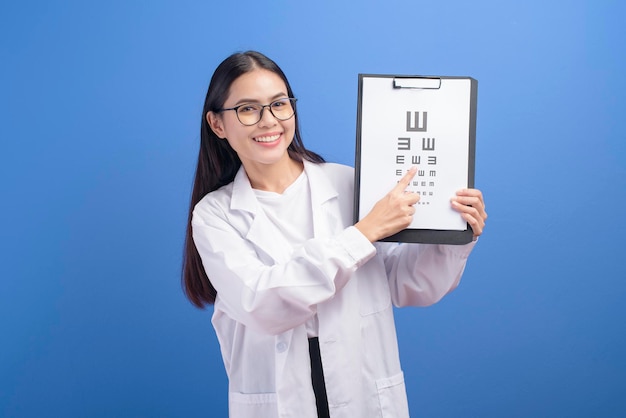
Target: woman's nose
(267, 118)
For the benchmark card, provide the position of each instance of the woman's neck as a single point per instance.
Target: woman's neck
(274, 177)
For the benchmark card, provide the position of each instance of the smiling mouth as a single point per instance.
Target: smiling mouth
(270, 138)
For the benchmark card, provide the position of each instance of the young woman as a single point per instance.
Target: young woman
(303, 297)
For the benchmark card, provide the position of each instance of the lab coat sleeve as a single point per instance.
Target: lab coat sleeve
(422, 274)
(277, 297)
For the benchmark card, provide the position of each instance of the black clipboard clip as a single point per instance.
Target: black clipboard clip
(417, 83)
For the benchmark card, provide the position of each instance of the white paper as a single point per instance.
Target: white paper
(389, 146)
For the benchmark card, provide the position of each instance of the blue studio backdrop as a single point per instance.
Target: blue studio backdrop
(100, 107)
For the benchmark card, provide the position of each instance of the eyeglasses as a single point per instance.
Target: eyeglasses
(251, 113)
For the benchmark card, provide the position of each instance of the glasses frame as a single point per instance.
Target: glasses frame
(293, 101)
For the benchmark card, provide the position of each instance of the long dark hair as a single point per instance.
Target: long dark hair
(218, 162)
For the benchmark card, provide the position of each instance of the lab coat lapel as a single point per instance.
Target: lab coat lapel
(325, 205)
(262, 233)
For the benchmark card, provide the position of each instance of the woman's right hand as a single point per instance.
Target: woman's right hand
(392, 213)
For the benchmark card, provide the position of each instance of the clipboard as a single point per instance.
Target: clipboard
(423, 121)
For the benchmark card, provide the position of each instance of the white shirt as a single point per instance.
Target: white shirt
(291, 214)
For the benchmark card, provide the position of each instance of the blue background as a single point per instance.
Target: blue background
(100, 107)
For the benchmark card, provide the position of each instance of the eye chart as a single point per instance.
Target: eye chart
(423, 122)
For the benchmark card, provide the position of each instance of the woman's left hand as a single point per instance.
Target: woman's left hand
(470, 204)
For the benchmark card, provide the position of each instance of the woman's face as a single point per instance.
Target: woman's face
(266, 142)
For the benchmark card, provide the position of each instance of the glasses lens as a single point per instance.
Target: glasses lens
(282, 109)
(249, 114)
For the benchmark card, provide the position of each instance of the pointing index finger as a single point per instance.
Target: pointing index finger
(406, 180)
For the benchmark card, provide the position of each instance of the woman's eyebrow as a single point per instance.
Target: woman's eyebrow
(276, 96)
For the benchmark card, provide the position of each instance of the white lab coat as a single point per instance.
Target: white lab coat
(267, 290)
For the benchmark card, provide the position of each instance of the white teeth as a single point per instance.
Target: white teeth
(267, 138)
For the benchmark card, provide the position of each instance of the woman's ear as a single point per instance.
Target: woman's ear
(216, 124)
